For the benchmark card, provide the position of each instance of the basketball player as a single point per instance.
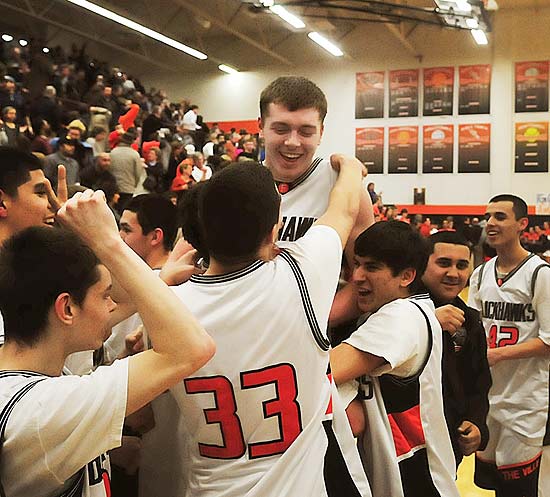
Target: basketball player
(261, 418)
(396, 353)
(466, 376)
(292, 114)
(512, 292)
(55, 299)
(26, 196)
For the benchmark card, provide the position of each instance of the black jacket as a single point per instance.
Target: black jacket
(466, 377)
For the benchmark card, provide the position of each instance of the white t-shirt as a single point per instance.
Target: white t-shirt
(61, 425)
(268, 378)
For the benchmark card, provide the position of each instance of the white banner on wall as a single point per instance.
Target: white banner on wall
(542, 207)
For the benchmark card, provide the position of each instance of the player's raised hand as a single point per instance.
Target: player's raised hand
(181, 264)
(89, 216)
(57, 200)
(337, 161)
(450, 318)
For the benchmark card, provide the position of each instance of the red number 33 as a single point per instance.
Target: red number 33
(284, 407)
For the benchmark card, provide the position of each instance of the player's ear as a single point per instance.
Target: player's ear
(523, 223)
(407, 277)
(3, 206)
(64, 308)
(157, 236)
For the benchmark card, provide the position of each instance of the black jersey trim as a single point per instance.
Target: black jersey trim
(322, 342)
(512, 272)
(534, 277)
(305, 175)
(23, 372)
(546, 438)
(224, 278)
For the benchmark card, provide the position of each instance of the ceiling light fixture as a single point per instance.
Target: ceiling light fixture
(286, 16)
(23, 43)
(96, 9)
(46, 50)
(227, 69)
(479, 36)
(326, 44)
(7, 38)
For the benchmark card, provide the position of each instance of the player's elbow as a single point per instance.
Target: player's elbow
(202, 352)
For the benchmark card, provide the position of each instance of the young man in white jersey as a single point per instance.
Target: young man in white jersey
(292, 114)
(396, 354)
(261, 417)
(26, 196)
(512, 292)
(55, 299)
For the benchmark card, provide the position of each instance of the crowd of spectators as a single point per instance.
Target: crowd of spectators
(108, 131)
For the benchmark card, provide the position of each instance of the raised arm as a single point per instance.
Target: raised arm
(180, 344)
(344, 200)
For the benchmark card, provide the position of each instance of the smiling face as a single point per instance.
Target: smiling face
(503, 229)
(376, 285)
(291, 140)
(448, 270)
(30, 207)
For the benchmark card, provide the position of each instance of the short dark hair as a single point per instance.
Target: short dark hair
(188, 208)
(15, 168)
(36, 266)
(295, 93)
(155, 211)
(238, 208)
(519, 207)
(447, 236)
(397, 245)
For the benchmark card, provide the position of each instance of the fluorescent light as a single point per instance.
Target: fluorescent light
(23, 43)
(138, 27)
(227, 69)
(327, 45)
(46, 50)
(472, 23)
(267, 3)
(7, 38)
(286, 16)
(479, 36)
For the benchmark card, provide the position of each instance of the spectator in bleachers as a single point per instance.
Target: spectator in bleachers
(46, 107)
(12, 97)
(64, 156)
(41, 142)
(97, 174)
(127, 167)
(249, 150)
(98, 140)
(152, 123)
(154, 182)
(190, 118)
(201, 172)
(11, 127)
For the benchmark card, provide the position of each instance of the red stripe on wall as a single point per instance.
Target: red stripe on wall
(251, 125)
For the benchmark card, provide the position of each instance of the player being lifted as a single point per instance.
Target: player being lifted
(292, 114)
(512, 293)
(261, 417)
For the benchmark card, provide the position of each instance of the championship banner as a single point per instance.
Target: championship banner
(474, 93)
(438, 91)
(438, 149)
(404, 93)
(369, 95)
(369, 148)
(403, 155)
(532, 86)
(474, 148)
(542, 207)
(532, 147)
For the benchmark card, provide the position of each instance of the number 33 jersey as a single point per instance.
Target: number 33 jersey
(515, 309)
(257, 413)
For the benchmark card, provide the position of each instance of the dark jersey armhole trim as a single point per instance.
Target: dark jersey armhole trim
(322, 342)
(534, 280)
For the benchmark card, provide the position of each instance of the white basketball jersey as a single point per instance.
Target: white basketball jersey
(405, 447)
(514, 310)
(307, 199)
(255, 412)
